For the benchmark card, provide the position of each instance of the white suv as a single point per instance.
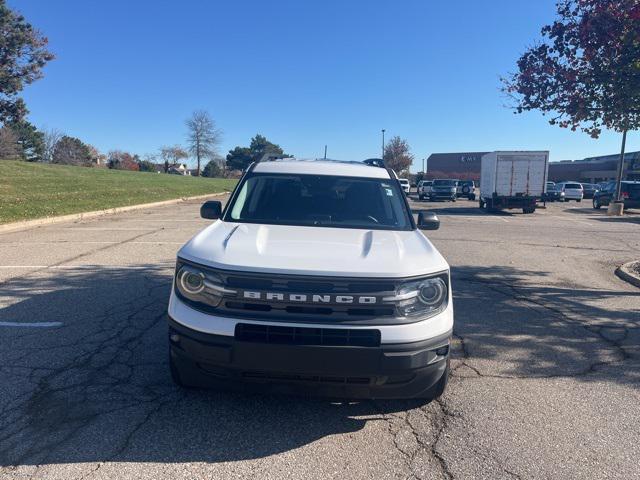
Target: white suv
(424, 188)
(316, 279)
(571, 190)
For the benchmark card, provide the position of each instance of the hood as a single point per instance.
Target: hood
(314, 250)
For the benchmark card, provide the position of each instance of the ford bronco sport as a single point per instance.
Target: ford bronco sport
(314, 279)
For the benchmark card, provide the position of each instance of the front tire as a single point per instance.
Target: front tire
(596, 204)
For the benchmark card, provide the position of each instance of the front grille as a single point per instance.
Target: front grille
(311, 310)
(306, 311)
(279, 298)
(294, 284)
(347, 337)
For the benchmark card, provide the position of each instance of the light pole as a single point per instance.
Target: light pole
(383, 144)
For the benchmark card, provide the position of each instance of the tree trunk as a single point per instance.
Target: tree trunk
(198, 158)
(620, 168)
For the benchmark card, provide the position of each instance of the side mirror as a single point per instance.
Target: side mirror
(211, 209)
(428, 221)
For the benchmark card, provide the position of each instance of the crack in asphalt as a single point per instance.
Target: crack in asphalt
(61, 406)
(512, 292)
(441, 416)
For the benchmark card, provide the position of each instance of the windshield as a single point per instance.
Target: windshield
(576, 186)
(320, 200)
(444, 183)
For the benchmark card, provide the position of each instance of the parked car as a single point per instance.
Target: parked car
(404, 183)
(443, 189)
(553, 193)
(572, 191)
(466, 188)
(630, 194)
(424, 188)
(589, 189)
(263, 299)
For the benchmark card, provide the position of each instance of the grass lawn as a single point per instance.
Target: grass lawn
(36, 190)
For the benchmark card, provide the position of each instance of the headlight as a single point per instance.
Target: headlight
(199, 286)
(426, 297)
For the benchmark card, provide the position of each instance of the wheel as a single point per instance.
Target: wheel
(421, 197)
(579, 200)
(472, 196)
(454, 199)
(565, 200)
(465, 190)
(596, 204)
(481, 203)
(528, 209)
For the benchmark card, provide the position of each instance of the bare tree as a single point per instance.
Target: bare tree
(51, 137)
(172, 155)
(397, 155)
(9, 149)
(203, 136)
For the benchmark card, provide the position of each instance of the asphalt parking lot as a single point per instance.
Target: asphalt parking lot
(545, 384)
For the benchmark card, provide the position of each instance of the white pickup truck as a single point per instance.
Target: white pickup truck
(515, 179)
(315, 278)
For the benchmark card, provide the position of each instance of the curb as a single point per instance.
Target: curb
(625, 273)
(75, 217)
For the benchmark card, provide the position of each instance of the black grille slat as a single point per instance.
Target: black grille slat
(346, 337)
(306, 309)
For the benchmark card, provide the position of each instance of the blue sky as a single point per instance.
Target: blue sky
(303, 73)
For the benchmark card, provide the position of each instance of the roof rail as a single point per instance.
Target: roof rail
(374, 162)
(270, 157)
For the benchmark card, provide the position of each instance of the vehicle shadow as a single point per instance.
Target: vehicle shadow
(630, 215)
(463, 210)
(516, 323)
(97, 388)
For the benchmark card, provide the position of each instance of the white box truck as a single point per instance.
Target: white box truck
(513, 179)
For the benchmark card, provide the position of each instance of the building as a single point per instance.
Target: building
(462, 165)
(595, 169)
(466, 166)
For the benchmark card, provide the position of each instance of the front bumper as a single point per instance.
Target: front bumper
(408, 370)
(442, 195)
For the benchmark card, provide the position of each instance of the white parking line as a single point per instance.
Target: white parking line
(31, 324)
(81, 242)
(91, 267)
(102, 229)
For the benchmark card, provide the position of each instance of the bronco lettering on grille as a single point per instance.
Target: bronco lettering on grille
(308, 298)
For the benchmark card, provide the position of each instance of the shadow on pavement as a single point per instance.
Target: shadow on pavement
(443, 209)
(515, 323)
(630, 216)
(98, 387)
